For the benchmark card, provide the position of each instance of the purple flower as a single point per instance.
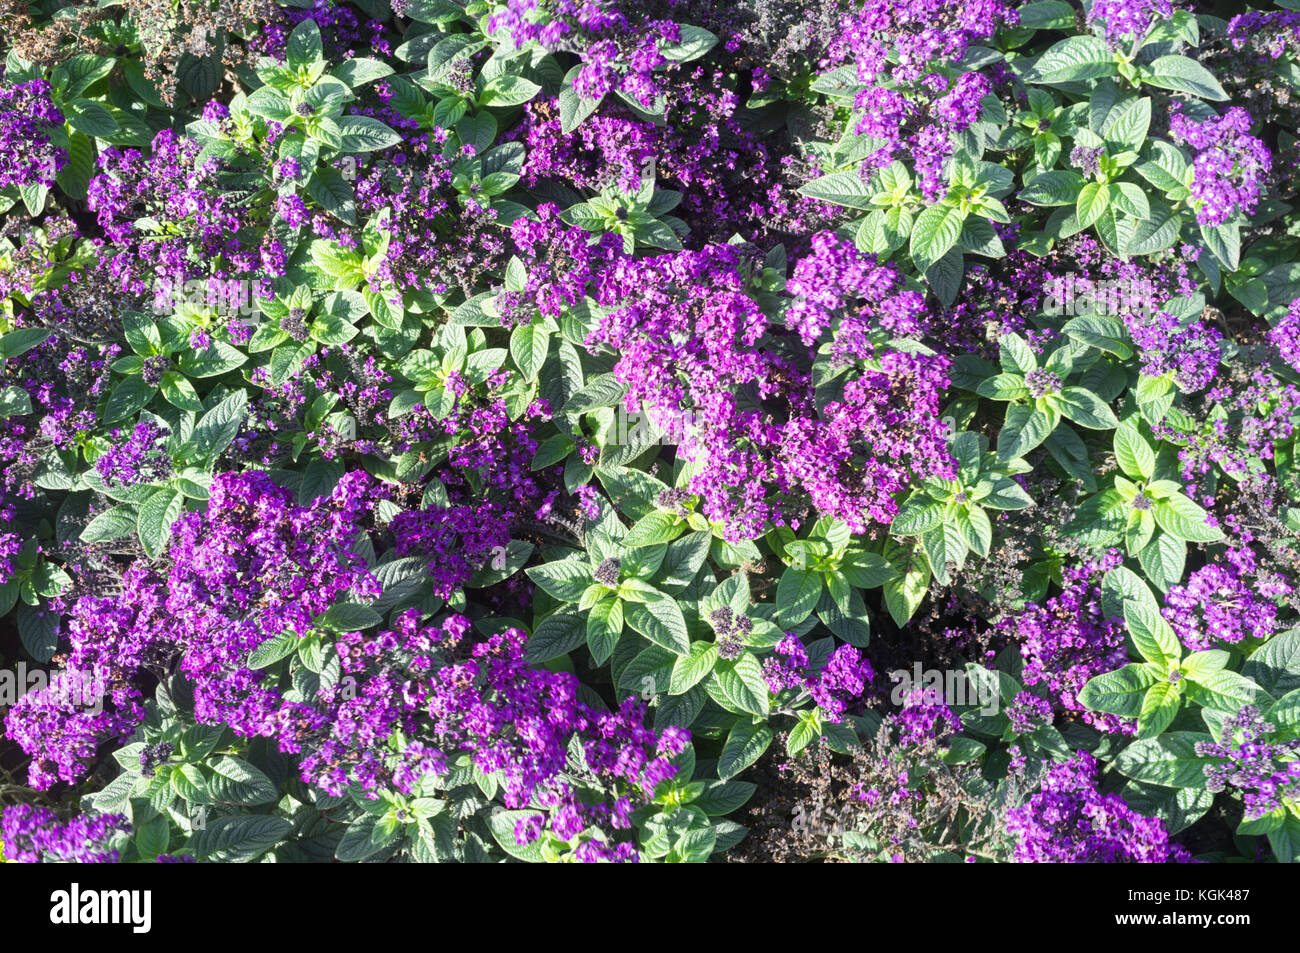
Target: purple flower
(1070, 821)
(27, 117)
(1231, 165)
(1265, 772)
(35, 835)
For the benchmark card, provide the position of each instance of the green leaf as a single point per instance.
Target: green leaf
(38, 630)
(604, 625)
(113, 523)
(661, 621)
(1025, 428)
(691, 669)
(364, 134)
(1058, 187)
(350, 617)
(333, 193)
(21, 341)
(962, 750)
(1087, 409)
(797, 594)
(14, 401)
(934, 233)
(1222, 691)
(1169, 760)
(1179, 809)
(1104, 333)
(1225, 242)
(528, 347)
(359, 71)
(904, 594)
(502, 824)
(574, 109)
(745, 745)
(1092, 203)
(217, 359)
(363, 838)
(90, 118)
(1073, 59)
(1183, 75)
(866, 570)
(1133, 453)
(235, 781)
(844, 188)
(1163, 560)
(1003, 387)
(272, 650)
(564, 579)
(243, 837)
(976, 529)
(1275, 665)
(694, 42)
(558, 634)
(919, 514)
(508, 89)
(723, 797)
(653, 528)
(1152, 635)
(741, 683)
(1126, 125)
(157, 513)
(1156, 233)
(304, 46)
(1130, 199)
(602, 390)
(219, 426)
(1120, 692)
(802, 733)
(1180, 517)
(127, 399)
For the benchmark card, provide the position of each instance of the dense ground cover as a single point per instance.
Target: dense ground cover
(665, 431)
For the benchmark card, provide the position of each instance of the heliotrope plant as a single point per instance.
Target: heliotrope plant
(468, 431)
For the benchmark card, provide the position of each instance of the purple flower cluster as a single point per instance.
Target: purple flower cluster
(140, 458)
(903, 51)
(837, 286)
(688, 331)
(1069, 821)
(732, 630)
(1264, 772)
(199, 222)
(253, 566)
(456, 540)
(1285, 335)
(841, 683)
(559, 264)
(1231, 165)
(1270, 34)
(27, 117)
(62, 725)
(1216, 605)
(36, 835)
(1190, 350)
(621, 47)
(1129, 20)
(885, 434)
(1028, 711)
(925, 717)
(1066, 641)
(522, 722)
(344, 33)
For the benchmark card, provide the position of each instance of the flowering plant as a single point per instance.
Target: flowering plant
(467, 431)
